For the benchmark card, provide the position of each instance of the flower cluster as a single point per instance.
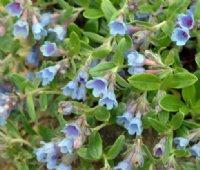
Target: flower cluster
(54, 153)
(181, 32)
(7, 103)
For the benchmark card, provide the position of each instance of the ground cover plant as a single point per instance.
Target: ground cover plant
(100, 85)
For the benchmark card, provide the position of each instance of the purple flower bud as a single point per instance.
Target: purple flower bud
(135, 126)
(99, 86)
(49, 49)
(136, 70)
(33, 56)
(21, 28)
(195, 150)
(62, 166)
(159, 148)
(117, 27)
(45, 19)
(135, 59)
(59, 31)
(124, 165)
(72, 131)
(38, 31)
(180, 36)
(66, 145)
(186, 20)
(30, 76)
(125, 119)
(14, 9)
(109, 100)
(181, 142)
(47, 74)
(82, 77)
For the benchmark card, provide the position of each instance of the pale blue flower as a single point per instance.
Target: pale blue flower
(33, 56)
(66, 145)
(45, 19)
(195, 150)
(47, 75)
(135, 126)
(135, 59)
(72, 131)
(186, 20)
(125, 119)
(21, 28)
(14, 9)
(123, 165)
(59, 31)
(82, 77)
(62, 166)
(49, 49)
(109, 100)
(71, 89)
(180, 36)
(38, 31)
(136, 70)
(117, 27)
(99, 86)
(181, 142)
(4, 114)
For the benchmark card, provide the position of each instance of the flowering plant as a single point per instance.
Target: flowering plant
(99, 84)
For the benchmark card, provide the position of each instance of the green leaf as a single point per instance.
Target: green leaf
(83, 3)
(94, 37)
(196, 107)
(66, 15)
(101, 68)
(123, 45)
(100, 53)
(168, 148)
(181, 80)
(177, 120)
(163, 116)
(145, 82)
(157, 125)
(170, 103)
(122, 82)
(46, 133)
(116, 148)
(95, 146)
(43, 101)
(189, 94)
(31, 107)
(101, 113)
(197, 59)
(181, 153)
(83, 153)
(74, 43)
(92, 13)
(108, 9)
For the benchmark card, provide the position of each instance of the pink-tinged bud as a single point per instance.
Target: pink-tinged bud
(25, 15)
(152, 71)
(2, 31)
(150, 62)
(78, 142)
(34, 19)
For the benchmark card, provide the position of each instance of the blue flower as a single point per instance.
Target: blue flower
(14, 9)
(72, 131)
(117, 27)
(99, 86)
(66, 145)
(3, 115)
(125, 119)
(109, 100)
(159, 148)
(65, 108)
(136, 70)
(33, 56)
(47, 74)
(38, 31)
(30, 76)
(62, 166)
(59, 31)
(186, 20)
(45, 19)
(135, 126)
(21, 28)
(123, 165)
(180, 36)
(135, 59)
(71, 89)
(48, 153)
(195, 150)
(181, 142)
(81, 92)
(49, 49)
(82, 77)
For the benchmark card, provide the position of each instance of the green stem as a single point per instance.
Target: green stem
(97, 128)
